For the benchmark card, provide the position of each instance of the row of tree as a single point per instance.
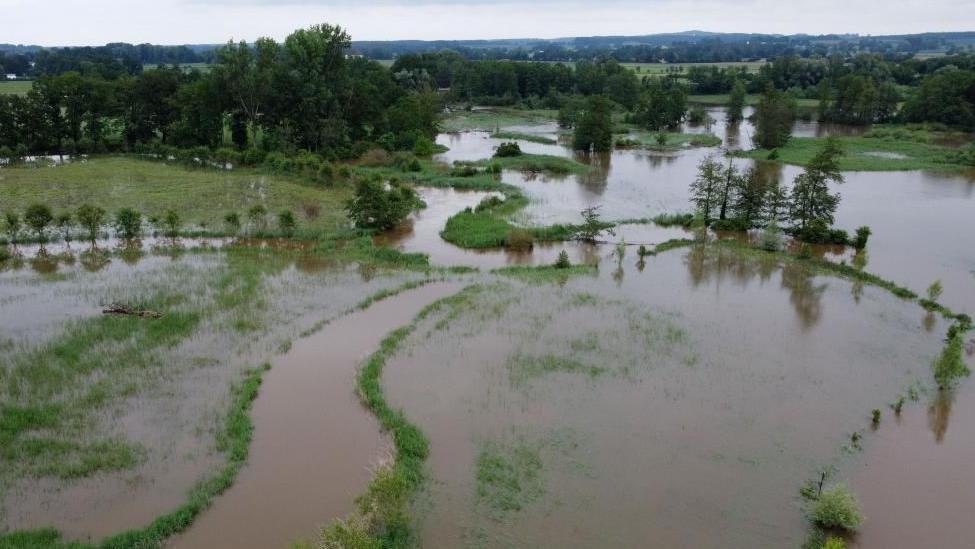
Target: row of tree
(729, 199)
(302, 94)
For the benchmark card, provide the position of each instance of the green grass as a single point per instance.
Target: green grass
(508, 477)
(545, 274)
(234, 440)
(536, 163)
(522, 368)
(199, 196)
(495, 119)
(860, 154)
(15, 87)
(534, 138)
(643, 139)
(720, 100)
(486, 229)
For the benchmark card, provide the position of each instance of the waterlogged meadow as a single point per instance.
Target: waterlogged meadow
(648, 401)
(110, 421)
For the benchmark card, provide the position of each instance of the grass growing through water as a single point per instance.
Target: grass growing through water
(508, 477)
(234, 440)
(532, 137)
(496, 118)
(522, 368)
(535, 163)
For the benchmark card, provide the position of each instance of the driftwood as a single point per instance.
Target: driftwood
(120, 309)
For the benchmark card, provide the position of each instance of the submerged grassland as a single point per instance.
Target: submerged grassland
(106, 412)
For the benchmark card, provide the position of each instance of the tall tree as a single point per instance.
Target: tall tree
(706, 187)
(594, 131)
(811, 198)
(774, 116)
(736, 102)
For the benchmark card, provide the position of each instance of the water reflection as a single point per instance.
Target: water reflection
(939, 412)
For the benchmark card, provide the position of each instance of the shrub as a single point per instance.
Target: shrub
(837, 507)
(935, 290)
(424, 146)
(661, 139)
(563, 261)
(63, 221)
(128, 223)
(414, 166)
(494, 168)
(506, 150)
(11, 225)
(863, 234)
(376, 158)
(772, 238)
(4, 253)
(732, 225)
(463, 171)
(91, 219)
(253, 157)
(519, 239)
(377, 205)
(287, 223)
(38, 217)
(834, 543)
(950, 364)
(489, 203)
(805, 251)
(592, 227)
(257, 217)
(232, 220)
(171, 223)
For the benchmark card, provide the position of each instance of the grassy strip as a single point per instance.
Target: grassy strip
(15, 87)
(546, 273)
(534, 138)
(720, 100)
(235, 440)
(487, 229)
(641, 139)
(535, 163)
(866, 154)
(672, 244)
(383, 518)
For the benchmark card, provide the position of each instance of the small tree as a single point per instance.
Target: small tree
(38, 217)
(507, 150)
(128, 223)
(774, 115)
(257, 217)
(775, 208)
(706, 186)
(563, 261)
(171, 222)
(232, 219)
(594, 131)
(811, 198)
(377, 205)
(736, 102)
(591, 226)
(287, 223)
(935, 290)
(64, 222)
(12, 226)
(863, 234)
(91, 219)
(772, 238)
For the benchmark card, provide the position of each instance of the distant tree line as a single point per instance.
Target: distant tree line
(300, 94)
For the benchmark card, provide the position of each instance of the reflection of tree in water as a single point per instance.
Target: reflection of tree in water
(596, 179)
(806, 297)
(939, 412)
(131, 252)
(94, 260)
(731, 131)
(859, 263)
(707, 264)
(44, 264)
(656, 160)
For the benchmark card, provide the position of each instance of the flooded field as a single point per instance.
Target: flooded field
(648, 403)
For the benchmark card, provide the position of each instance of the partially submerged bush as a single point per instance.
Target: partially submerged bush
(837, 507)
(171, 222)
(507, 150)
(378, 205)
(287, 223)
(860, 240)
(489, 203)
(771, 238)
(232, 220)
(834, 543)
(563, 261)
(950, 364)
(128, 223)
(519, 239)
(91, 219)
(38, 217)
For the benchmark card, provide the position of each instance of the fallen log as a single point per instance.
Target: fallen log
(121, 309)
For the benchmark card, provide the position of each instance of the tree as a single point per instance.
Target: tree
(592, 226)
(775, 208)
(257, 217)
(662, 105)
(750, 197)
(91, 219)
(378, 205)
(128, 223)
(706, 187)
(287, 223)
(594, 130)
(736, 102)
(171, 221)
(232, 219)
(64, 222)
(811, 199)
(12, 226)
(774, 116)
(38, 217)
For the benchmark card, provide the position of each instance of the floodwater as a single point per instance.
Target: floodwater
(920, 219)
(720, 385)
(313, 440)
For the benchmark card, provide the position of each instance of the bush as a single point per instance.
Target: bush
(863, 234)
(733, 225)
(11, 226)
(563, 261)
(950, 364)
(377, 205)
(252, 157)
(171, 222)
(414, 166)
(38, 217)
(506, 150)
(4, 253)
(837, 507)
(519, 239)
(772, 238)
(128, 223)
(818, 232)
(287, 223)
(805, 251)
(489, 203)
(834, 543)
(232, 221)
(257, 217)
(463, 171)
(376, 158)
(91, 219)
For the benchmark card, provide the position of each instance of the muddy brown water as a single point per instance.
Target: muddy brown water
(313, 440)
(705, 446)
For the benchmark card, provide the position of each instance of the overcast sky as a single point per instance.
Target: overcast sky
(95, 22)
